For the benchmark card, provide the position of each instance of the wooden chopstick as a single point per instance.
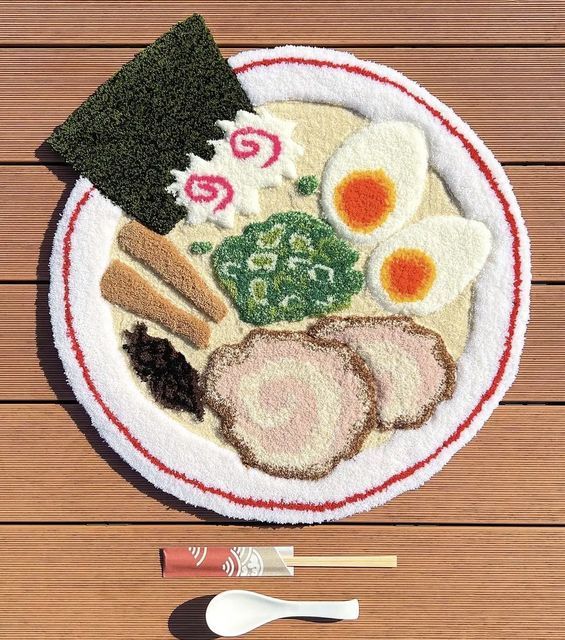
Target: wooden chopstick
(340, 561)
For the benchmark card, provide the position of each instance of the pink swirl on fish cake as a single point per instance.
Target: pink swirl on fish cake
(246, 147)
(206, 188)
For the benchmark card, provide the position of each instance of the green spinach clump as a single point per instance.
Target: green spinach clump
(287, 268)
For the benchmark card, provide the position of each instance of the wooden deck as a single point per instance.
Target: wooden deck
(481, 547)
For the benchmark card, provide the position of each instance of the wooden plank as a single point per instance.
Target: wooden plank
(256, 23)
(513, 97)
(32, 198)
(55, 468)
(451, 582)
(30, 368)
(31, 202)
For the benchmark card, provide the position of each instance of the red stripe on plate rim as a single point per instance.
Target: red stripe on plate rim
(402, 475)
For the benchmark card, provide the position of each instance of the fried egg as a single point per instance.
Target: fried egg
(428, 264)
(373, 184)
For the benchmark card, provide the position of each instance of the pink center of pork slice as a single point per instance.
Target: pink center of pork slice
(295, 399)
(407, 373)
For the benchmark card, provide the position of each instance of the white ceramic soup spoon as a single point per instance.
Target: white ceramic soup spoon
(233, 613)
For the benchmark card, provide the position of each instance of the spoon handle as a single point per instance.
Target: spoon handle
(342, 610)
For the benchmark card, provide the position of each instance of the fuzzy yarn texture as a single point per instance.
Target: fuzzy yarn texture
(426, 265)
(413, 369)
(373, 184)
(292, 405)
(125, 287)
(162, 256)
(141, 123)
(200, 248)
(169, 377)
(287, 268)
(200, 473)
(257, 151)
(307, 185)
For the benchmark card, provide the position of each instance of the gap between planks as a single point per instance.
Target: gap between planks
(454, 575)
(55, 468)
(347, 22)
(452, 582)
(32, 198)
(512, 97)
(30, 367)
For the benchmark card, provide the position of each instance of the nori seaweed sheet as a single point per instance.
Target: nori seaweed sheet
(141, 123)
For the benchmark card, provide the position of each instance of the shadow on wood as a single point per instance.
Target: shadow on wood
(188, 620)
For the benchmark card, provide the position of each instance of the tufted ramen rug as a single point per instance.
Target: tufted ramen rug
(288, 286)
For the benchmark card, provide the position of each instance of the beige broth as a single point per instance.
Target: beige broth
(320, 129)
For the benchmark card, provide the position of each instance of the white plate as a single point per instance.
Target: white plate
(203, 474)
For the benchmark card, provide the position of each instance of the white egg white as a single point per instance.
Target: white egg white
(400, 150)
(458, 247)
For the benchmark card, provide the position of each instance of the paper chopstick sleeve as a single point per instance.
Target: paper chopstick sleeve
(225, 562)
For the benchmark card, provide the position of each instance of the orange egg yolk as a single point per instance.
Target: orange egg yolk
(407, 275)
(364, 199)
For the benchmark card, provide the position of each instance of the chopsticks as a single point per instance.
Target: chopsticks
(341, 561)
(249, 562)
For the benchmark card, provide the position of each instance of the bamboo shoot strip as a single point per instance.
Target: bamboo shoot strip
(161, 255)
(123, 286)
